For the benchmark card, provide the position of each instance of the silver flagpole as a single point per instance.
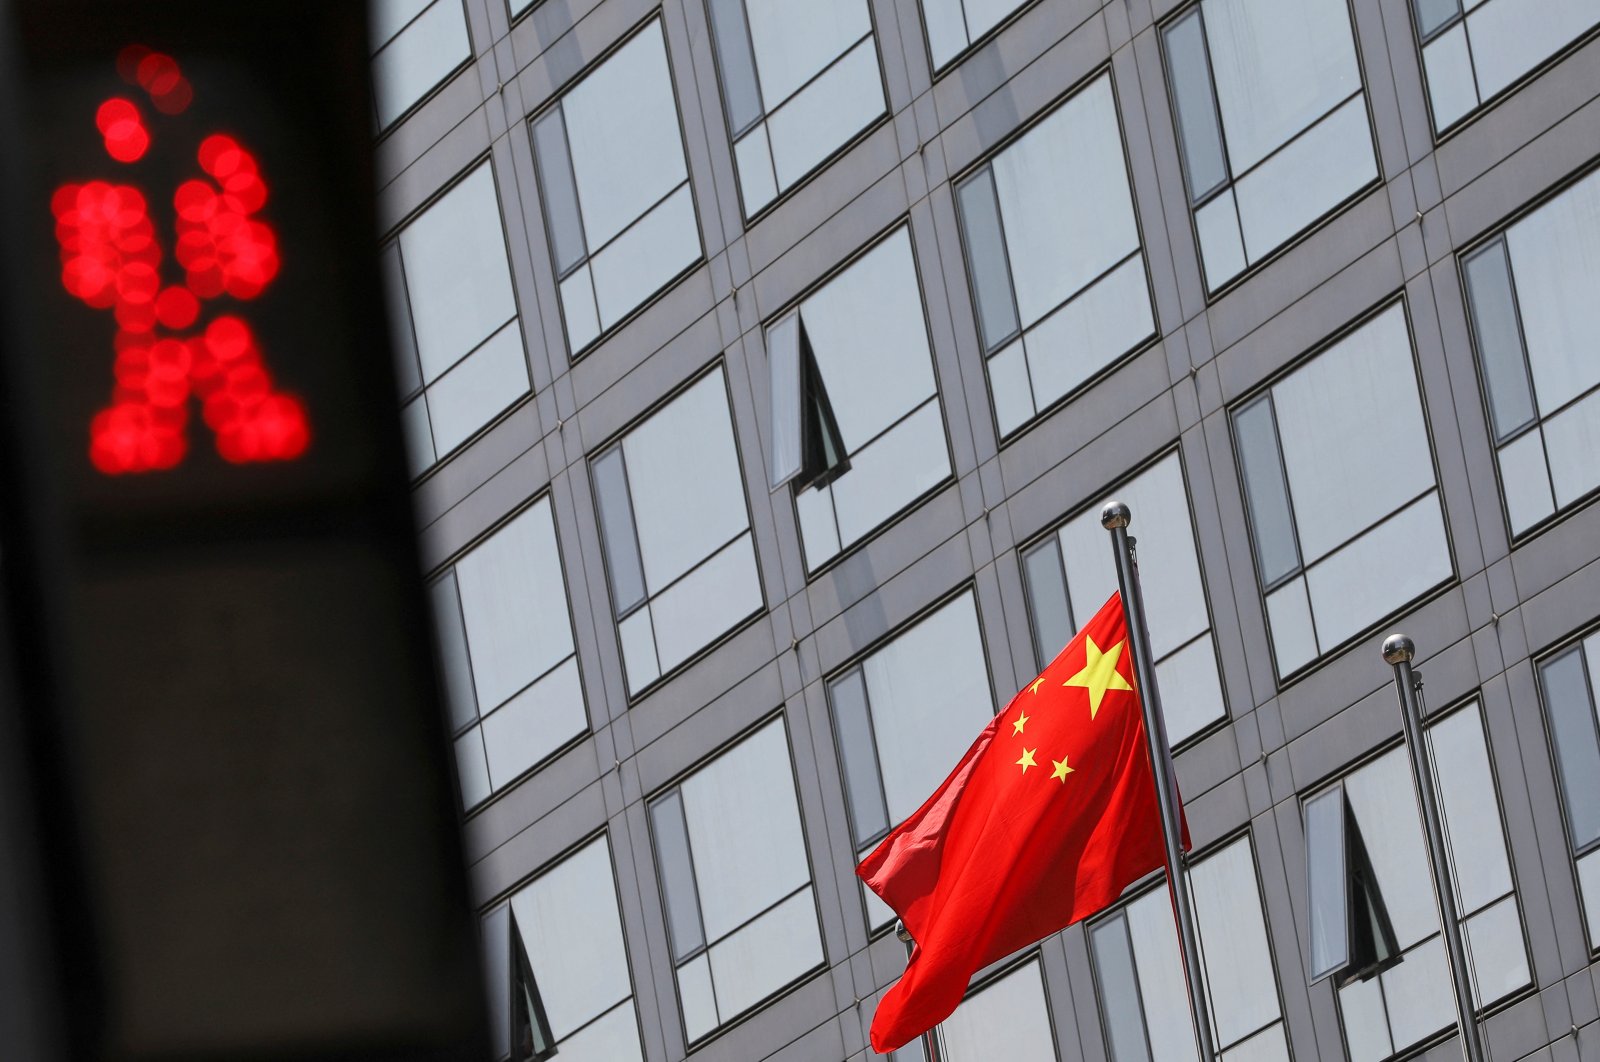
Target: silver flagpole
(930, 1039)
(1398, 651)
(1116, 517)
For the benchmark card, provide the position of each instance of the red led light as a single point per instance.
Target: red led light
(111, 259)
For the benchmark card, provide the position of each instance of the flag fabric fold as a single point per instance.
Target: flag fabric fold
(1050, 814)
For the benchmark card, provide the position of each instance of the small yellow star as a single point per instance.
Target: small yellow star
(1099, 673)
(1062, 770)
(1022, 721)
(1036, 684)
(1027, 760)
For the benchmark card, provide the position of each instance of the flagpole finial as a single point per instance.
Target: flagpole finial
(1397, 648)
(1114, 515)
(902, 932)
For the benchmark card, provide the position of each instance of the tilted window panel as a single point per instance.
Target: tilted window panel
(1534, 316)
(453, 318)
(1571, 691)
(1054, 257)
(508, 666)
(799, 81)
(676, 532)
(619, 211)
(1272, 119)
(1327, 532)
(1071, 574)
(1472, 53)
(954, 25)
(415, 45)
(731, 854)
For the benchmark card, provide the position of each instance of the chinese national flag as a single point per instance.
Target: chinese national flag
(1047, 818)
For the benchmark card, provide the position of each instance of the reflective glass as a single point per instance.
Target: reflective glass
(1525, 479)
(578, 308)
(1119, 991)
(560, 193)
(783, 371)
(763, 956)
(385, 18)
(793, 42)
(1511, 37)
(685, 482)
(1006, 1019)
(1013, 393)
(477, 388)
(947, 29)
(859, 754)
(1294, 642)
(1589, 885)
(1221, 243)
(758, 184)
(455, 667)
(617, 531)
(638, 637)
(986, 258)
(1417, 993)
(1452, 89)
(1366, 1027)
(399, 318)
(1494, 324)
(514, 599)
(1047, 602)
(1278, 67)
(1233, 939)
(1555, 258)
(622, 128)
(613, 1038)
(1567, 697)
(889, 472)
(740, 92)
(573, 934)
(697, 996)
(1431, 14)
(1572, 440)
(534, 723)
(826, 113)
(1088, 333)
(1395, 845)
(457, 273)
(1481, 872)
(1265, 1046)
(928, 689)
(472, 770)
(1162, 990)
(1326, 878)
(1063, 194)
(677, 875)
(1495, 952)
(418, 436)
(1194, 689)
(1349, 410)
(1204, 164)
(710, 599)
(743, 802)
(1271, 525)
(495, 932)
(985, 15)
(419, 58)
(643, 258)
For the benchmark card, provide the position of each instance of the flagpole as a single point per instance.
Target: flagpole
(1116, 517)
(1398, 651)
(930, 1039)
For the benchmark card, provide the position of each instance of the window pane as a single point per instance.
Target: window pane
(692, 612)
(1494, 323)
(515, 602)
(1417, 993)
(560, 194)
(455, 667)
(737, 64)
(1525, 480)
(1326, 878)
(859, 753)
(1511, 37)
(1495, 952)
(783, 368)
(793, 42)
(825, 113)
(399, 318)
(1161, 985)
(1572, 439)
(534, 723)
(1047, 603)
(1352, 409)
(677, 875)
(1119, 991)
(1452, 88)
(1278, 68)
(1063, 185)
(1567, 695)
(617, 531)
(1097, 326)
(1233, 938)
(494, 940)
(457, 272)
(1006, 1019)
(985, 15)
(765, 955)
(1555, 258)
(1466, 788)
(891, 470)
(1395, 845)
(573, 934)
(419, 58)
(740, 804)
(1276, 552)
(613, 1038)
(685, 482)
(622, 127)
(477, 388)
(637, 263)
(986, 258)
(929, 694)
(385, 18)
(947, 29)
(1431, 14)
(1197, 117)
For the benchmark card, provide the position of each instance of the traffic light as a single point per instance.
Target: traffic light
(220, 667)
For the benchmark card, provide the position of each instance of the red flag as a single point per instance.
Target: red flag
(1047, 818)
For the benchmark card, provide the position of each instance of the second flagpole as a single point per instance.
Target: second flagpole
(1115, 518)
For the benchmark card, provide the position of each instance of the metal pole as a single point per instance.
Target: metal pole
(1398, 651)
(930, 1039)
(1116, 517)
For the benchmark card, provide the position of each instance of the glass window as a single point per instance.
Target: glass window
(1568, 682)
(1391, 1005)
(558, 966)
(1053, 255)
(737, 883)
(1272, 119)
(903, 717)
(615, 184)
(415, 45)
(507, 660)
(676, 532)
(1007, 1018)
(1071, 574)
(1338, 547)
(953, 25)
(798, 81)
(1534, 316)
(868, 340)
(453, 316)
(1472, 57)
(1143, 1000)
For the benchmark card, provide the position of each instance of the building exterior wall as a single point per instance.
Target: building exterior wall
(1509, 602)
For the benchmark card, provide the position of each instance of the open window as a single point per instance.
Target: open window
(1352, 938)
(807, 449)
(531, 1039)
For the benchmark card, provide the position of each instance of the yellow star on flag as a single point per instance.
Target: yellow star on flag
(1099, 673)
(1036, 683)
(1027, 760)
(1022, 721)
(1062, 770)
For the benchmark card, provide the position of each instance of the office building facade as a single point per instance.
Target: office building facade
(764, 367)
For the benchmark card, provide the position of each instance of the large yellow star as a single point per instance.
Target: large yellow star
(1027, 760)
(1099, 673)
(1016, 727)
(1062, 770)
